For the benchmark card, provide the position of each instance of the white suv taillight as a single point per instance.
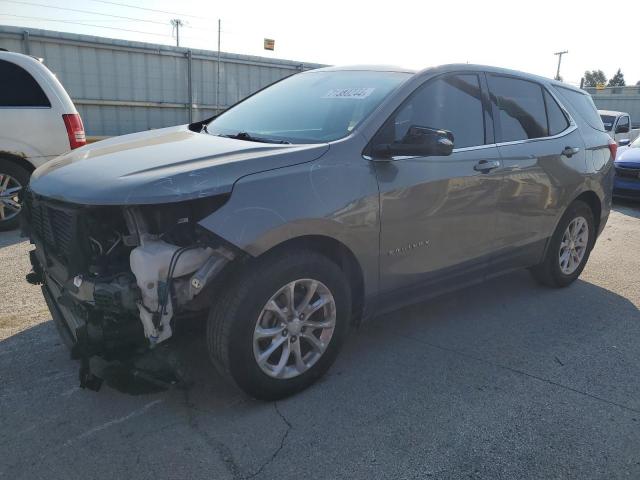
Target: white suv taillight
(613, 148)
(75, 130)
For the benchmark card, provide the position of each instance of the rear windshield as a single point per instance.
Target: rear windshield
(608, 121)
(583, 105)
(311, 107)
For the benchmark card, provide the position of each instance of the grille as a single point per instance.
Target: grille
(103, 300)
(53, 226)
(632, 173)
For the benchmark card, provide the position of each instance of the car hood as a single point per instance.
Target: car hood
(161, 166)
(628, 156)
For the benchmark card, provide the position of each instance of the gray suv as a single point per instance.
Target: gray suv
(326, 198)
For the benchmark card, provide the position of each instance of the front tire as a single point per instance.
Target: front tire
(280, 323)
(569, 248)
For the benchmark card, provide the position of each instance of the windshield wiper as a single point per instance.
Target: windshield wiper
(250, 138)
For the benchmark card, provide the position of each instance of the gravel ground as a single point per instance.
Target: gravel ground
(21, 304)
(516, 381)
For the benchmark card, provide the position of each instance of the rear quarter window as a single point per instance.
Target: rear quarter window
(583, 105)
(558, 123)
(18, 88)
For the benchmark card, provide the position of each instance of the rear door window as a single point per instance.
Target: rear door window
(521, 107)
(18, 88)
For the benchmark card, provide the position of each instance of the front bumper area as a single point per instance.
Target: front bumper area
(627, 183)
(125, 367)
(91, 338)
(75, 338)
(109, 344)
(119, 280)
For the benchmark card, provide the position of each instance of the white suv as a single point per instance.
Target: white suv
(38, 122)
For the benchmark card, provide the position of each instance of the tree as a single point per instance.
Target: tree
(594, 77)
(638, 83)
(617, 80)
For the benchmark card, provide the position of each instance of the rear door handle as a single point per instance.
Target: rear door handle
(570, 151)
(486, 165)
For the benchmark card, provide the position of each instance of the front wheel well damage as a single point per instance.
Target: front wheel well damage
(341, 255)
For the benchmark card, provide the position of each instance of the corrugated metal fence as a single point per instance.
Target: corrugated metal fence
(621, 99)
(121, 87)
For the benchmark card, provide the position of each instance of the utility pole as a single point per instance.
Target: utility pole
(218, 74)
(177, 23)
(559, 61)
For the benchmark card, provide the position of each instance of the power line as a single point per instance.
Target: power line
(85, 24)
(132, 19)
(152, 9)
(86, 11)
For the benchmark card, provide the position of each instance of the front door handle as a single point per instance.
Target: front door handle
(570, 151)
(486, 165)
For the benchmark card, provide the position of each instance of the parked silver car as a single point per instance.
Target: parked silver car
(327, 198)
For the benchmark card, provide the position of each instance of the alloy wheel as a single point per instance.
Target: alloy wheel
(10, 189)
(294, 328)
(573, 245)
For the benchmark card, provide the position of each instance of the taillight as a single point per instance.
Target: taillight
(613, 148)
(75, 130)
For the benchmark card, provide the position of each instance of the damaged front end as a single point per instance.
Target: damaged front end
(118, 280)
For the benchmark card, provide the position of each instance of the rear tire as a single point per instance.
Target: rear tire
(253, 315)
(565, 259)
(12, 176)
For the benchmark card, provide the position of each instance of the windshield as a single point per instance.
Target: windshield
(312, 107)
(608, 121)
(636, 143)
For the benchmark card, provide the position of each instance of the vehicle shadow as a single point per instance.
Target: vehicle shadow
(506, 304)
(627, 207)
(429, 354)
(9, 238)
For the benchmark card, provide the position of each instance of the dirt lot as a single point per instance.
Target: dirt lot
(515, 381)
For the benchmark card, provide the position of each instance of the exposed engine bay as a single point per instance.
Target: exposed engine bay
(118, 279)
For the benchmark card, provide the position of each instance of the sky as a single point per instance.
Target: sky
(414, 34)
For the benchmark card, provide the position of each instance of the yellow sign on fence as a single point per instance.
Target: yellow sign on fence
(600, 86)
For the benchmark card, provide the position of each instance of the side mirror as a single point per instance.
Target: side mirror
(624, 142)
(418, 142)
(622, 129)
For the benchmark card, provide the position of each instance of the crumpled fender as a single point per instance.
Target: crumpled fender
(329, 197)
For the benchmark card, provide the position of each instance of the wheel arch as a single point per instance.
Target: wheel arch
(595, 204)
(592, 200)
(17, 159)
(340, 254)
